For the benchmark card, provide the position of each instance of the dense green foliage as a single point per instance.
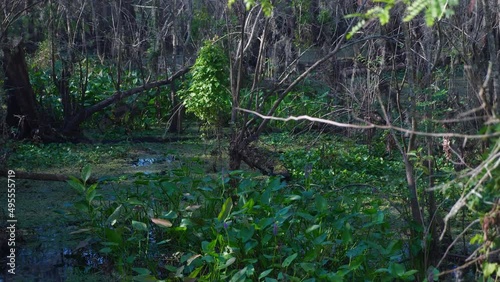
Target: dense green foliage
(208, 96)
(341, 218)
(272, 232)
(367, 204)
(332, 222)
(93, 83)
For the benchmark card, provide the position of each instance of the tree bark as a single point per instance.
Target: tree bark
(492, 106)
(175, 117)
(21, 105)
(409, 167)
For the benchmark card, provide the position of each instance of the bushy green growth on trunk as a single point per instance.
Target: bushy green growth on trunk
(208, 96)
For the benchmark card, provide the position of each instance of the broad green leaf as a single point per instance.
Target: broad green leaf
(228, 263)
(226, 209)
(382, 270)
(105, 250)
(239, 275)
(170, 268)
(195, 272)
(267, 7)
(114, 216)
(250, 245)
(357, 251)
(113, 236)
(346, 234)
(308, 267)
(275, 184)
(170, 215)
(320, 239)
(284, 212)
(91, 193)
(489, 268)
(411, 272)
(141, 271)
(131, 259)
(289, 260)
(477, 239)
(82, 206)
(246, 233)
(192, 258)
(305, 216)
(312, 228)
(265, 273)
(266, 197)
(294, 197)
(76, 184)
(135, 201)
(178, 272)
(141, 226)
(397, 269)
(208, 247)
(265, 222)
(86, 173)
(380, 217)
(321, 203)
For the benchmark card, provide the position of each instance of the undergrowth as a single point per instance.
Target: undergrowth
(184, 225)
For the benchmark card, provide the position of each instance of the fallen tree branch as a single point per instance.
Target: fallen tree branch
(43, 176)
(369, 125)
(75, 122)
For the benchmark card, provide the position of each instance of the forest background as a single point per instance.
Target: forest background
(409, 88)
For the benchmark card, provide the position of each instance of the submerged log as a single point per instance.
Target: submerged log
(43, 176)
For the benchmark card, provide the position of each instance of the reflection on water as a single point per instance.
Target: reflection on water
(147, 161)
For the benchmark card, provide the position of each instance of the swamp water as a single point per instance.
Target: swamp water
(46, 249)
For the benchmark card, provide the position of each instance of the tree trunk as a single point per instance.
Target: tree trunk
(21, 103)
(73, 125)
(234, 157)
(492, 105)
(434, 247)
(175, 118)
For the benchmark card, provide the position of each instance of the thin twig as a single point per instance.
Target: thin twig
(465, 265)
(456, 239)
(371, 125)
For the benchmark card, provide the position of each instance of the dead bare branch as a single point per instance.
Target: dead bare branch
(371, 125)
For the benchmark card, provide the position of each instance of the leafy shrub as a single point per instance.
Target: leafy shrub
(208, 96)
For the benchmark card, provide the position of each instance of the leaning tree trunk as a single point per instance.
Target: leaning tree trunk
(73, 125)
(21, 103)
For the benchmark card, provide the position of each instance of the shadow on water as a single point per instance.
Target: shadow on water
(44, 246)
(47, 257)
(51, 260)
